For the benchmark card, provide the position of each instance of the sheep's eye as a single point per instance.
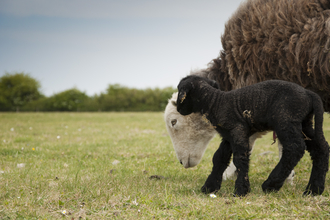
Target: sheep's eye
(173, 122)
(174, 103)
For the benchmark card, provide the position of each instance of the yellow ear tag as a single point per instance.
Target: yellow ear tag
(183, 98)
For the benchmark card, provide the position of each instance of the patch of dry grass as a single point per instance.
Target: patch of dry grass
(97, 166)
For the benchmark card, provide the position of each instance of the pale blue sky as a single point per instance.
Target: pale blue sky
(91, 44)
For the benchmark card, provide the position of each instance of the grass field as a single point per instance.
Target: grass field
(98, 166)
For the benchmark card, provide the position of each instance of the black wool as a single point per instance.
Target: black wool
(281, 106)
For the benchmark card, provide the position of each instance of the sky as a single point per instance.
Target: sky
(88, 44)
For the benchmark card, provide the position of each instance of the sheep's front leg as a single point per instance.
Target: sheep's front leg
(221, 160)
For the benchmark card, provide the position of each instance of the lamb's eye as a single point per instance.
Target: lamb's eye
(173, 122)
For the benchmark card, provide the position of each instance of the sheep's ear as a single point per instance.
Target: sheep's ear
(173, 102)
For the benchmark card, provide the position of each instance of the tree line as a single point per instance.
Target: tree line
(21, 92)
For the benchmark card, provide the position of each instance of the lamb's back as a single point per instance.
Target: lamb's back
(271, 99)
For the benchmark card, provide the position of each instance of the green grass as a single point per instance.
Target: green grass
(70, 160)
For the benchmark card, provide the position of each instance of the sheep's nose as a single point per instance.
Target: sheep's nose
(181, 162)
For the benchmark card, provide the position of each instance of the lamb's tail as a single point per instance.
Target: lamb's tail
(318, 114)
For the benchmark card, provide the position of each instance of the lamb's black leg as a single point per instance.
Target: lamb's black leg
(241, 160)
(221, 160)
(320, 156)
(293, 150)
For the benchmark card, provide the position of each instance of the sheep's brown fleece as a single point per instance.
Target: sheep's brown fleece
(277, 105)
(276, 39)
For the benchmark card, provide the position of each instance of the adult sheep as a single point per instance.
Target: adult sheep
(275, 39)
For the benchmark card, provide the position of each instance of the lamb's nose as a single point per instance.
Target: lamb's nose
(181, 162)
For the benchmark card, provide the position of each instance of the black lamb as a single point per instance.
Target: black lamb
(284, 107)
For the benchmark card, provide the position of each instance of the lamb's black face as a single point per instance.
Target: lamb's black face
(184, 101)
(188, 88)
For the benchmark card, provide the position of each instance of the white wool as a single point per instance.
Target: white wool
(190, 135)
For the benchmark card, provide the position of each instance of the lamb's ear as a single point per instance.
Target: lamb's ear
(214, 84)
(182, 96)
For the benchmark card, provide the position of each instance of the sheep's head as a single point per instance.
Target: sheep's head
(190, 134)
(187, 101)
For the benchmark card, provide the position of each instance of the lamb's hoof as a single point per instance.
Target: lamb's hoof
(308, 193)
(207, 190)
(242, 190)
(240, 194)
(210, 187)
(313, 192)
(268, 188)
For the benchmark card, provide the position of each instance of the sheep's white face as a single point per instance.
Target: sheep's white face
(190, 134)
